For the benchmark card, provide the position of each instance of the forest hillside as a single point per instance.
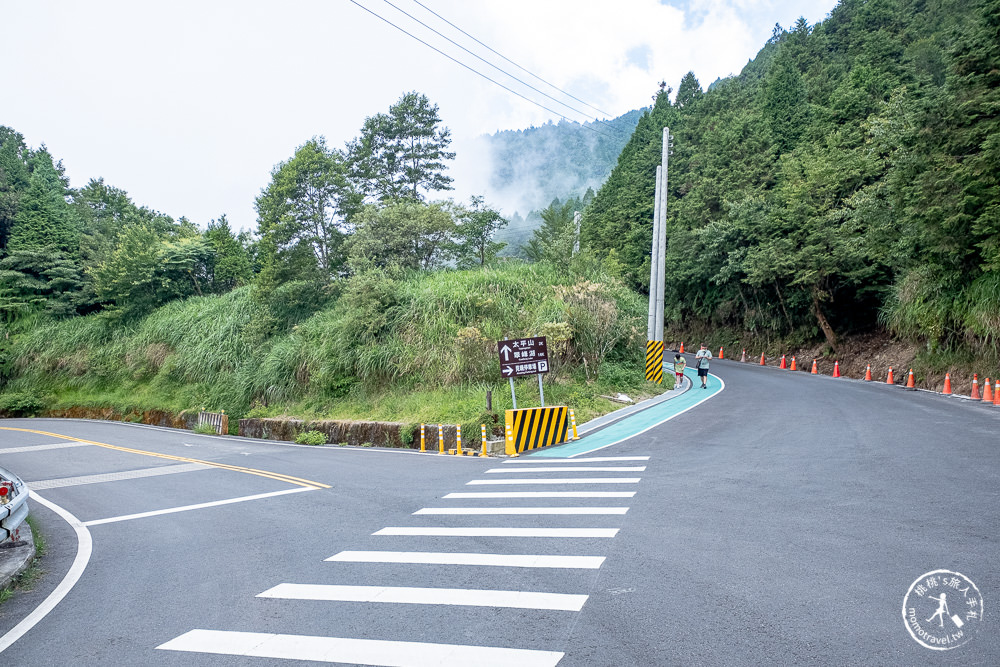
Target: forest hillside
(847, 179)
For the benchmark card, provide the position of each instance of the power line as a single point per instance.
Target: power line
(509, 60)
(478, 57)
(475, 71)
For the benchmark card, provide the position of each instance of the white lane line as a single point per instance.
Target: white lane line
(571, 469)
(188, 508)
(541, 494)
(464, 597)
(356, 651)
(522, 510)
(41, 448)
(84, 548)
(452, 558)
(117, 476)
(559, 480)
(441, 531)
(591, 459)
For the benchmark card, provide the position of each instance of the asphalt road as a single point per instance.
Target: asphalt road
(780, 522)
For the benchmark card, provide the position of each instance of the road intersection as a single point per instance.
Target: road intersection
(782, 521)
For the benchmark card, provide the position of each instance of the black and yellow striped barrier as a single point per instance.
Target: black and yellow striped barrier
(654, 361)
(532, 428)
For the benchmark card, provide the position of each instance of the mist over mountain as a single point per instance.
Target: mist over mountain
(532, 167)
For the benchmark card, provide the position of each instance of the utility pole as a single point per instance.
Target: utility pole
(662, 238)
(654, 271)
(657, 267)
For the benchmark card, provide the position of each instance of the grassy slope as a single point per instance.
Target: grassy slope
(420, 348)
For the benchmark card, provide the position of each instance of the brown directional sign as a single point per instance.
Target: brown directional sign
(523, 356)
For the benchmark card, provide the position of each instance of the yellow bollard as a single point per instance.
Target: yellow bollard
(423, 443)
(572, 420)
(440, 439)
(458, 439)
(510, 440)
(483, 453)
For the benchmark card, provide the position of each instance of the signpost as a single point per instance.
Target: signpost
(523, 356)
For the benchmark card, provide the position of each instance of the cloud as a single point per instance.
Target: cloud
(188, 105)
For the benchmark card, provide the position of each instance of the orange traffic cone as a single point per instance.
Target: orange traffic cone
(868, 373)
(783, 364)
(743, 359)
(947, 384)
(910, 384)
(975, 387)
(996, 393)
(793, 364)
(888, 378)
(720, 354)
(814, 371)
(762, 359)
(836, 369)
(682, 348)
(987, 392)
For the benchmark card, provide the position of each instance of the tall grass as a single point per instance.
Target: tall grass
(373, 335)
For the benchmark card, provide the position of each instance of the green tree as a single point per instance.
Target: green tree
(127, 278)
(231, 264)
(477, 227)
(103, 211)
(14, 179)
(409, 235)
(43, 281)
(785, 102)
(689, 91)
(301, 215)
(146, 270)
(22, 284)
(402, 154)
(44, 218)
(554, 241)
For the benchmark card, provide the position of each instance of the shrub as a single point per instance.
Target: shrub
(205, 429)
(311, 438)
(409, 433)
(21, 404)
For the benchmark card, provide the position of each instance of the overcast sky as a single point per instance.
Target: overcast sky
(188, 104)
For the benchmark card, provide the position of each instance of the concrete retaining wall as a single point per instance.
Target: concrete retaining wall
(153, 417)
(379, 434)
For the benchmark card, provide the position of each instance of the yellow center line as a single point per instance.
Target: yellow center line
(298, 481)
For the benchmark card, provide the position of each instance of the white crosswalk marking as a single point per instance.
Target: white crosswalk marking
(541, 494)
(570, 469)
(454, 558)
(493, 504)
(356, 651)
(439, 531)
(522, 510)
(467, 597)
(559, 480)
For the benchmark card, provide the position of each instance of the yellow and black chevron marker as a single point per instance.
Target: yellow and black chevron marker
(654, 361)
(532, 428)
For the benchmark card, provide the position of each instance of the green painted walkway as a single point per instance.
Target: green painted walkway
(640, 422)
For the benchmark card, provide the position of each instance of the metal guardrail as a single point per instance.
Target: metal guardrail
(14, 496)
(218, 420)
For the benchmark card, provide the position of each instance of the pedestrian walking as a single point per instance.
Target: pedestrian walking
(679, 365)
(701, 361)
